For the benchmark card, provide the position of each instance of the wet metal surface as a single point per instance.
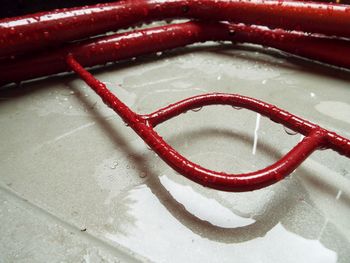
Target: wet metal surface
(77, 185)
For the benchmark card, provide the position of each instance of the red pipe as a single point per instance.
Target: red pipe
(131, 44)
(47, 30)
(143, 125)
(21, 34)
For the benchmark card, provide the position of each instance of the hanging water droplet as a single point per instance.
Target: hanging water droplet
(231, 32)
(159, 53)
(323, 148)
(237, 108)
(143, 174)
(46, 34)
(168, 21)
(197, 109)
(289, 131)
(12, 30)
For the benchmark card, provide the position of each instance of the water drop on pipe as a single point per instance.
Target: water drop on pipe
(289, 131)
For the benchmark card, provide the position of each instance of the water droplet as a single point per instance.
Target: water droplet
(114, 165)
(168, 21)
(289, 131)
(143, 174)
(185, 8)
(264, 81)
(323, 148)
(237, 108)
(231, 32)
(197, 109)
(219, 77)
(12, 30)
(128, 167)
(159, 53)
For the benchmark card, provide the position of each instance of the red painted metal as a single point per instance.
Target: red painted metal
(315, 136)
(32, 32)
(132, 44)
(36, 31)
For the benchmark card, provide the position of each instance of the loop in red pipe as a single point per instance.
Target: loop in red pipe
(143, 125)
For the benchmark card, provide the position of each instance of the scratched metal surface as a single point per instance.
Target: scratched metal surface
(76, 184)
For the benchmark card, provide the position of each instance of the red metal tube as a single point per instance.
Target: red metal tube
(131, 44)
(21, 34)
(143, 125)
(48, 29)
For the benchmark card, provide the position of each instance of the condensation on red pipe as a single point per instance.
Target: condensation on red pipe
(132, 44)
(32, 32)
(315, 136)
(101, 50)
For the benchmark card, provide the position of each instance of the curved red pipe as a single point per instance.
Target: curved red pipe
(132, 44)
(143, 125)
(36, 31)
(46, 29)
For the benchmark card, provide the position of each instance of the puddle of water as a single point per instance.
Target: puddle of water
(335, 109)
(157, 235)
(205, 208)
